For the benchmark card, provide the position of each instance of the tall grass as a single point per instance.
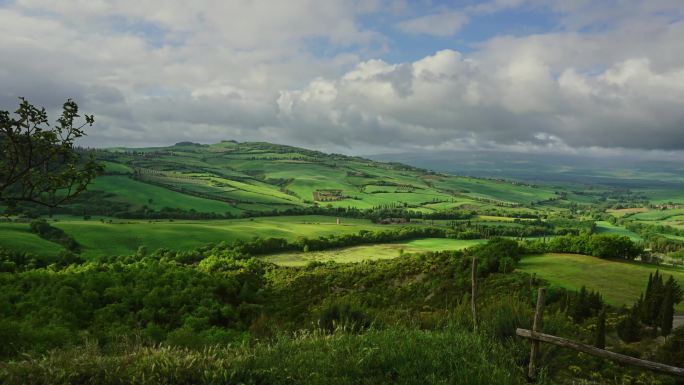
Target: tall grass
(397, 356)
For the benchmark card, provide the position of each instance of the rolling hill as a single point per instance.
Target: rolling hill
(244, 178)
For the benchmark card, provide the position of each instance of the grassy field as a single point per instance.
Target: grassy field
(619, 213)
(619, 282)
(607, 227)
(664, 195)
(18, 237)
(124, 237)
(370, 252)
(263, 176)
(139, 194)
(657, 215)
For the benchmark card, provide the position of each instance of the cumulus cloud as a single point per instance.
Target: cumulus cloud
(309, 73)
(438, 24)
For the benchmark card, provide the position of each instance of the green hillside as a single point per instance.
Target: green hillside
(124, 237)
(620, 282)
(244, 178)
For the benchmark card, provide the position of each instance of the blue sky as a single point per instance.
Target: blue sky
(357, 76)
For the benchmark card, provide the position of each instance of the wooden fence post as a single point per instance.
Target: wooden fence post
(536, 327)
(594, 351)
(473, 292)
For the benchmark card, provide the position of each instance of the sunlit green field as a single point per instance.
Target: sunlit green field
(657, 215)
(370, 252)
(609, 228)
(124, 237)
(619, 282)
(18, 237)
(140, 194)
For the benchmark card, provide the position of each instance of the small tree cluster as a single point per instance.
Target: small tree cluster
(584, 304)
(655, 309)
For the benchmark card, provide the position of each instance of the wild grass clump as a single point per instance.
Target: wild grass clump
(398, 356)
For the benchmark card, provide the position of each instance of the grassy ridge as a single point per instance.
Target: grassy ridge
(619, 282)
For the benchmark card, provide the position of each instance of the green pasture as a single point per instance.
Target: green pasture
(620, 282)
(117, 168)
(609, 228)
(18, 237)
(496, 190)
(123, 237)
(371, 252)
(141, 194)
(657, 215)
(664, 195)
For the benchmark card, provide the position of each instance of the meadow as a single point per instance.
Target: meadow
(262, 176)
(609, 228)
(371, 252)
(18, 237)
(123, 237)
(383, 297)
(620, 282)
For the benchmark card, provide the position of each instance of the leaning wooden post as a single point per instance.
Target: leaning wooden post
(473, 292)
(536, 327)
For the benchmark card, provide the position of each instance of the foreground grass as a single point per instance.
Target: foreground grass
(619, 282)
(371, 252)
(395, 356)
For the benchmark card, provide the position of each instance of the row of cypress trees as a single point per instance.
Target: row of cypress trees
(655, 309)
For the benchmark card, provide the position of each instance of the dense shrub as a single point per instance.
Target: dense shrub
(597, 245)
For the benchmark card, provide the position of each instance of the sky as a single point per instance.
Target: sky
(357, 76)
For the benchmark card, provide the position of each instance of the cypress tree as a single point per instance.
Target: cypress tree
(675, 290)
(629, 329)
(666, 313)
(580, 305)
(645, 300)
(600, 341)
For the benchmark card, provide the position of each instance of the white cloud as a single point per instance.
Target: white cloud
(155, 73)
(437, 24)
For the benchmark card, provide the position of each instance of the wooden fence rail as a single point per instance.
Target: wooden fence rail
(537, 336)
(566, 343)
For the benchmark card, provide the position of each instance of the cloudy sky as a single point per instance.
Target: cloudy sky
(359, 76)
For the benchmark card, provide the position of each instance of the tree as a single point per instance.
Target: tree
(600, 341)
(672, 296)
(38, 162)
(666, 314)
(629, 328)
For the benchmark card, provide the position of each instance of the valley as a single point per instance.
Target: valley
(293, 237)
